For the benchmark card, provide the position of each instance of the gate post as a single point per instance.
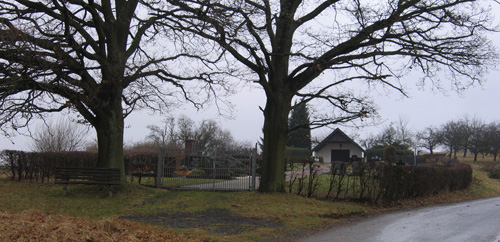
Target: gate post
(159, 170)
(253, 161)
(214, 171)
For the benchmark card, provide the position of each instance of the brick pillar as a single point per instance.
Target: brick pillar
(189, 146)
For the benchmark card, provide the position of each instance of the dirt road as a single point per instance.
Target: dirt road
(469, 221)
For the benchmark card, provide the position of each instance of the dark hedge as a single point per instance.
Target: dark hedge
(40, 166)
(400, 182)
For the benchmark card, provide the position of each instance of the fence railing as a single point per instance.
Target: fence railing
(214, 171)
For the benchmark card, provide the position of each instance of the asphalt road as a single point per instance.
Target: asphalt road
(469, 221)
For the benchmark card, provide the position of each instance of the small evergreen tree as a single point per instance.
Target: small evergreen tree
(299, 131)
(390, 153)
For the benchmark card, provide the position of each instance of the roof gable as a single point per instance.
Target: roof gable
(337, 136)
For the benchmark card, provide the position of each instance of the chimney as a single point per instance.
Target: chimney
(189, 146)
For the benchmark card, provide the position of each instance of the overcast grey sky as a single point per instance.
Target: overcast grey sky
(423, 108)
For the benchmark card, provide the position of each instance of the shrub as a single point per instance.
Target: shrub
(197, 173)
(390, 154)
(494, 174)
(493, 171)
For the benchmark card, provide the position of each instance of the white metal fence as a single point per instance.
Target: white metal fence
(206, 171)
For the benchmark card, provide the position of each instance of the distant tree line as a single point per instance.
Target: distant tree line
(172, 133)
(467, 134)
(464, 135)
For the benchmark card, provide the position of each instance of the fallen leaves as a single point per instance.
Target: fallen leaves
(35, 225)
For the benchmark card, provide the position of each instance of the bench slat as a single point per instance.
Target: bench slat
(87, 175)
(87, 182)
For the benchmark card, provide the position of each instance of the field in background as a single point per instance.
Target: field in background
(86, 213)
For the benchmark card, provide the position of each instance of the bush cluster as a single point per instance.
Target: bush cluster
(493, 171)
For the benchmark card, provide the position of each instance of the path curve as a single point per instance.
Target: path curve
(468, 221)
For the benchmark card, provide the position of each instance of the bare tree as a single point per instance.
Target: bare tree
(163, 136)
(369, 141)
(404, 132)
(465, 133)
(477, 136)
(452, 137)
(429, 138)
(388, 136)
(63, 135)
(210, 136)
(102, 59)
(287, 45)
(185, 128)
(207, 134)
(492, 139)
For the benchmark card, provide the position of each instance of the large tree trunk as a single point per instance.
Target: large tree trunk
(110, 144)
(275, 136)
(109, 128)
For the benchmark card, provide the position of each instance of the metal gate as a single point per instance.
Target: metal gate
(178, 169)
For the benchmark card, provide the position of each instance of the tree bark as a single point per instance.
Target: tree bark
(110, 144)
(275, 136)
(109, 128)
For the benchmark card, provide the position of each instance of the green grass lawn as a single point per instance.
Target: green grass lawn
(272, 214)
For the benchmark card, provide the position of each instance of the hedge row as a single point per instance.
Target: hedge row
(400, 182)
(41, 165)
(140, 162)
(379, 183)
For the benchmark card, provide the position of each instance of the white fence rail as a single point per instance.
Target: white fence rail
(202, 171)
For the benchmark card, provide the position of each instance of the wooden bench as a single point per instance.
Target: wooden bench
(88, 176)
